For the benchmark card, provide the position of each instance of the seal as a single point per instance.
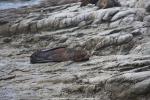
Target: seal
(102, 4)
(59, 54)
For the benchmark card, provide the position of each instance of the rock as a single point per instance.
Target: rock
(117, 40)
(108, 3)
(122, 14)
(148, 8)
(4, 30)
(142, 49)
(3, 22)
(101, 3)
(85, 2)
(7, 40)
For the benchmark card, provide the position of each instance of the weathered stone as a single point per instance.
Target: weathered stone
(116, 38)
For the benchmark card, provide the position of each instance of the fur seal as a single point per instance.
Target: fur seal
(58, 54)
(102, 4)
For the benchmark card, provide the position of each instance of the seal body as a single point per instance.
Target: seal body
(101, 3)
(58, 54)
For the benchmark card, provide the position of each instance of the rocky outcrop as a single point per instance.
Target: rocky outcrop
(57, 2)
(116, 38)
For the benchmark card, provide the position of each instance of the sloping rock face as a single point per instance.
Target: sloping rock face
(116, 38)
(57, 2)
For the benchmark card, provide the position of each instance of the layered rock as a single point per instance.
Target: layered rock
(116, 38)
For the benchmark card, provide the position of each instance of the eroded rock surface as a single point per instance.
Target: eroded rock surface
(116, 38)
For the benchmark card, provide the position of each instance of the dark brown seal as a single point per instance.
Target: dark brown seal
(101, 3)
(59, 54)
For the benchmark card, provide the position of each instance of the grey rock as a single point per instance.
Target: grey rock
(117, 40)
